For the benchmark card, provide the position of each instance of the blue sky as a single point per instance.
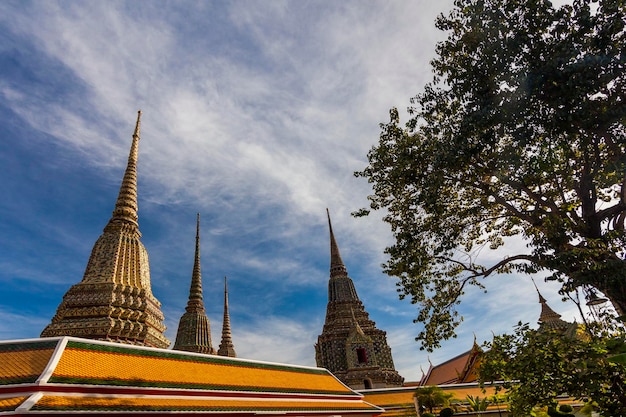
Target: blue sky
(255, 115)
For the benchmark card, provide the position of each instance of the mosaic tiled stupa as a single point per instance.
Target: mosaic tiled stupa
(114, 300)
(351, 346)
(194, 327)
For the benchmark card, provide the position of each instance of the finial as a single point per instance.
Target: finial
(137, 125)
(541, 299)
(125, 211)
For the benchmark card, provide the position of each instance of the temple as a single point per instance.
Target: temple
(114, 300)
(194, 327)
(350, 345)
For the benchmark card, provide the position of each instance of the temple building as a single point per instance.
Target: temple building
(194, 327)
(351, 346)
(114, 300)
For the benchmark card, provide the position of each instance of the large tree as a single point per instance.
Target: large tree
(519, 136)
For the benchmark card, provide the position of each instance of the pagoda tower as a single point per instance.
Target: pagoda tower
(550, 320)
(194, 328)
(350, 346)
(227, 348)
(114, 300)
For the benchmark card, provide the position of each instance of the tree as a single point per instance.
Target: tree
(520, 135)
(431, 397)
(537, 366)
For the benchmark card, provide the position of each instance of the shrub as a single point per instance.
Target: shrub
(446, 412)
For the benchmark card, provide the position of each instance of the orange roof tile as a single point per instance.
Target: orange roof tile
(122, 365)
(11, 403)
(24, 362)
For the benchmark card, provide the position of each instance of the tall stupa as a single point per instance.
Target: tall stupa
(114, 300)
(350, 346)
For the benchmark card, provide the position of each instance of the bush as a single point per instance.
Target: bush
(564, 410)
(446, 412)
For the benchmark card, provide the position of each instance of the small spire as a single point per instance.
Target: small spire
(227, 348)
(357, 327)
(337, 267)
(126, 205)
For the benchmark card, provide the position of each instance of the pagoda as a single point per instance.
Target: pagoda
(114, 300)
(194, 328)
(351, 346)
(227, 348)
(550, 320)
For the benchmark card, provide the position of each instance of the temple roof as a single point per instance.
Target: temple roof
(459, 369)
(75, 376)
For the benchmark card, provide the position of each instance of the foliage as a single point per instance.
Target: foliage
(519, 134)
(540, 365)
(431, 397)
(476, 403)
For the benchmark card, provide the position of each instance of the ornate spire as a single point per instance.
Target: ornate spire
(195, 291)
(340, 286)
(126, 206)
(194, 328)
(114, 300)
(350, 346)
(548, 317)
(337, 267)
(227, 348)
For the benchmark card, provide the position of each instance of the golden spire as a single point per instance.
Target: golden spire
(126, 206)
(114, 300)
(227, 348)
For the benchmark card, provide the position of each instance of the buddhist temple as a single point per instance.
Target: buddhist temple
(350, 345)
(194, 327)
(227, 348)
(114, 300)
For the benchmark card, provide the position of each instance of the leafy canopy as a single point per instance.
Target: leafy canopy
(519, 136)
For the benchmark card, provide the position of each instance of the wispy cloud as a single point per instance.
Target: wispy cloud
(255, 115)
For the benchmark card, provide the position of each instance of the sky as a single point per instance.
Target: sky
(255, 115)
